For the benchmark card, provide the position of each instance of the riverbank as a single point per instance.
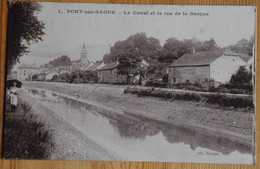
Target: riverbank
(233, 124)
(25, 135)
(68, 142)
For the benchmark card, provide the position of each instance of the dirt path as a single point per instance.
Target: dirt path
(231, 123)
(68, 142)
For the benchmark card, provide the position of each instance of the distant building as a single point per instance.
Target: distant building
(64, 69)
(82, 62)
(49, 75)
(97, 65)
(14, 75)
(25, 71)
(108, 74)
(83, 55)
(86, 66)
(218, 65)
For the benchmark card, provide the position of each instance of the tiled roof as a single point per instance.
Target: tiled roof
(94, 66)
(86, 66)
(244, 57)
(111, 65)
(198, 58)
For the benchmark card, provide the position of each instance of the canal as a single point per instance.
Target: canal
(137, 138)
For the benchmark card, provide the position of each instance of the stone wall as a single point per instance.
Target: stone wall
(111, 76)
(191, 74)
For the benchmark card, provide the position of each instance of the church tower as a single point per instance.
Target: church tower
(83, 55)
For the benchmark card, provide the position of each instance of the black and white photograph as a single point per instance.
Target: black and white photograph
(121, 82)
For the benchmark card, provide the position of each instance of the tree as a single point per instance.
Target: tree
(24, 28)
(244, 46)
(130, 53)
(209, 45)
(242, 76)
(174, 48)
(64, 60)
(34, 77)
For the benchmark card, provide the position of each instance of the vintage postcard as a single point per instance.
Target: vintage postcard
(113, 82)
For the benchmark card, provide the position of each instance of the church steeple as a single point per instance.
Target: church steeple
(83, 56)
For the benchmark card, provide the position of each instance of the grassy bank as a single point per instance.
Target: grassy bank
(25, 136)
(214, 98)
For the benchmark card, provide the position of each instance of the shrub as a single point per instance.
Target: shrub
(24, 136)
(214, 98)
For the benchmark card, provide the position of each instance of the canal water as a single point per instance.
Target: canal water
(136, 138)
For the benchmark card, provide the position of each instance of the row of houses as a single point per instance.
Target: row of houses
(218, 65)
(27, 71)
(47, 71)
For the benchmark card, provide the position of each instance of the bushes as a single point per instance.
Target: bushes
(212, 98)
(78, 76)
(231, 101)
(24, 136)
(156, 84)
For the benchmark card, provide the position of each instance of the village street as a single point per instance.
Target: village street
(105, 115)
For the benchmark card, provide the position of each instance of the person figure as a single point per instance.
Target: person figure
(13, 97)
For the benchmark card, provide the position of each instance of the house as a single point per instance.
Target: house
(218, 65)
(64, 69)
(86, 66)
(49, 75)
(108, 74)
(25, 71)
(251, 64)
(97, 65)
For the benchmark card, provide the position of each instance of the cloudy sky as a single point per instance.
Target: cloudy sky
(66, 32)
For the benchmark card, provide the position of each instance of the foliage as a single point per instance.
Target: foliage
(34, 77)
(242, 76)
(24, 28)
(243, 46)
(64, 60)
(213, 98)
(78, 76)
(132, 51)
(25, 136)
(174, 48)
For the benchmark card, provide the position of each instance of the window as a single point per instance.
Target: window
(174, 80)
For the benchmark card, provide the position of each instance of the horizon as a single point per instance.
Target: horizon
(65, 33)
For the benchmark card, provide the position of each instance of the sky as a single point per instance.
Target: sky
(66, 31)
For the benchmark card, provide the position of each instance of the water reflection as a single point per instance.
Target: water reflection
(128, 134)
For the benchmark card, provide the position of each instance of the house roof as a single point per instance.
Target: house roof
(86, 66)
(198, 58)
(111, 65)
(94, 66)
(50, 71)
(245, 57)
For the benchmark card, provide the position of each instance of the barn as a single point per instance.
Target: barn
(218, 65)
(108, 74)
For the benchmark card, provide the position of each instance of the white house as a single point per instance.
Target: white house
(218, 65)
(49, 75)
(25, 71)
